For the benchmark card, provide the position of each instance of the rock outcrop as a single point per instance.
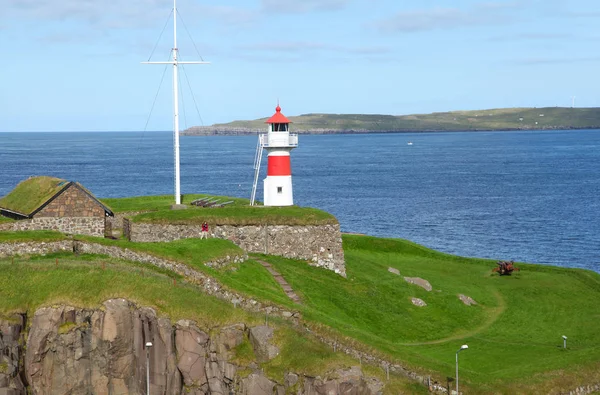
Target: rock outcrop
(103, 351)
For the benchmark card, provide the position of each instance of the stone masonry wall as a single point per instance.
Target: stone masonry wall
(91, 226)
(320, 245)
(72, 203)
(34, 248)
(118, 221)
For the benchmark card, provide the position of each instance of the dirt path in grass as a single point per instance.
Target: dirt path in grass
(495, 313)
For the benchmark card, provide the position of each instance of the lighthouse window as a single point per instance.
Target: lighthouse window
(280, 127)
(279, 189)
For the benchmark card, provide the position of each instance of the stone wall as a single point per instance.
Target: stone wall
(73, 202)
(35, 248)
(117, 221)
(6, 227)
(320, 245)
(91, 226)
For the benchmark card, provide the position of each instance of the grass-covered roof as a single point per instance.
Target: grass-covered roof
(32, 193)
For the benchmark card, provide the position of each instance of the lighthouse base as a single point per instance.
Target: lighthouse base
(278, 191)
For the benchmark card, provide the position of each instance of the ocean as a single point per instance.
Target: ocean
(529, 196)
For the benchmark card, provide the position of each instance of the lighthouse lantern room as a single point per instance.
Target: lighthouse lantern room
(278, 142)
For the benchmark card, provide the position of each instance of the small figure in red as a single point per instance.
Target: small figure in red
(204, 232)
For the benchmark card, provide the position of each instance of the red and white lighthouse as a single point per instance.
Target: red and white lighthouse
(278, 142)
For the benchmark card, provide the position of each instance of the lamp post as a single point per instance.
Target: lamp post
(463, 347)
(564, 341)
(148, 345)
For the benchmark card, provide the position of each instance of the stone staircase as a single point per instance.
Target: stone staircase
(281, 281)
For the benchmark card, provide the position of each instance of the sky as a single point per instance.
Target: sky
(75, 65)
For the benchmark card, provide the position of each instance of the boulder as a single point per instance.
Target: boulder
(467, 300)
(420, 282)
(418, 302)
(257, 384)
(394, 271)
(260, 337)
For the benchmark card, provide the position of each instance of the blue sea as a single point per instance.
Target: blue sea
(529, 196)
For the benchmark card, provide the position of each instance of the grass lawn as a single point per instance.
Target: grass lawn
(243, 215)
(81, 281)
(237, 213)
(34, 235)
(163, 202)
(88, 280)
(514, 333)
(249, 278)
(4, 220)
(193, 252)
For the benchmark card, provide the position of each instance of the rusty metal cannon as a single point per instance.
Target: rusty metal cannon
(505, 268)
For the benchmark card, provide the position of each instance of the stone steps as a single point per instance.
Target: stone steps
(287, 288)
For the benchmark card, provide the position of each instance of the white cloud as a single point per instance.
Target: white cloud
(552, 61)
(294, 47)
(448, 18)
(131, 14)
(295, 6)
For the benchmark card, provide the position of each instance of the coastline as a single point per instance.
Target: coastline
(218, 131)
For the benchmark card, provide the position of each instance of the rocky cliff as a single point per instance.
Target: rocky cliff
(67, 350)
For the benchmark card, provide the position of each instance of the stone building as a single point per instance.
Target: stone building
(47, 203)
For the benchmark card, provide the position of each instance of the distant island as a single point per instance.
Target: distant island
(546, 118)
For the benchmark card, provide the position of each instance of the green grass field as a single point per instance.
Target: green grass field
(514, 333)
(237, 213)
(86, 281)
(37, 235)
(161, 202)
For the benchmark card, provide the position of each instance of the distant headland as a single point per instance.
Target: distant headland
(546, 118)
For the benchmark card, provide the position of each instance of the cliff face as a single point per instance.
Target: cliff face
(102, 351)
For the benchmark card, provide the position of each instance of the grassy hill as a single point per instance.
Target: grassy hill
(514, 332)
(492, 119)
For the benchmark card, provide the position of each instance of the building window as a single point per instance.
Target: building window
(279, 189)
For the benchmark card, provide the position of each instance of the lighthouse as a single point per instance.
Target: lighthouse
(279, 142)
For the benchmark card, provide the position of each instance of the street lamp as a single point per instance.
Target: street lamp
(463, 347)
(148, 345)
(564, 341)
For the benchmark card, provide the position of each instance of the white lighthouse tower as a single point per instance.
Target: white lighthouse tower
(278, 142)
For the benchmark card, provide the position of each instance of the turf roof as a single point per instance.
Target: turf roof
(32, 193)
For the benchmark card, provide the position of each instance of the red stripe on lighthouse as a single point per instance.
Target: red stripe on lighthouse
(279, 166)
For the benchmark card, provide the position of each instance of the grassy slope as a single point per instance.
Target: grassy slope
(514, 334)
(28, 195)
(248, 278)
(30, 283)
(492, 119)
(237, 213)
